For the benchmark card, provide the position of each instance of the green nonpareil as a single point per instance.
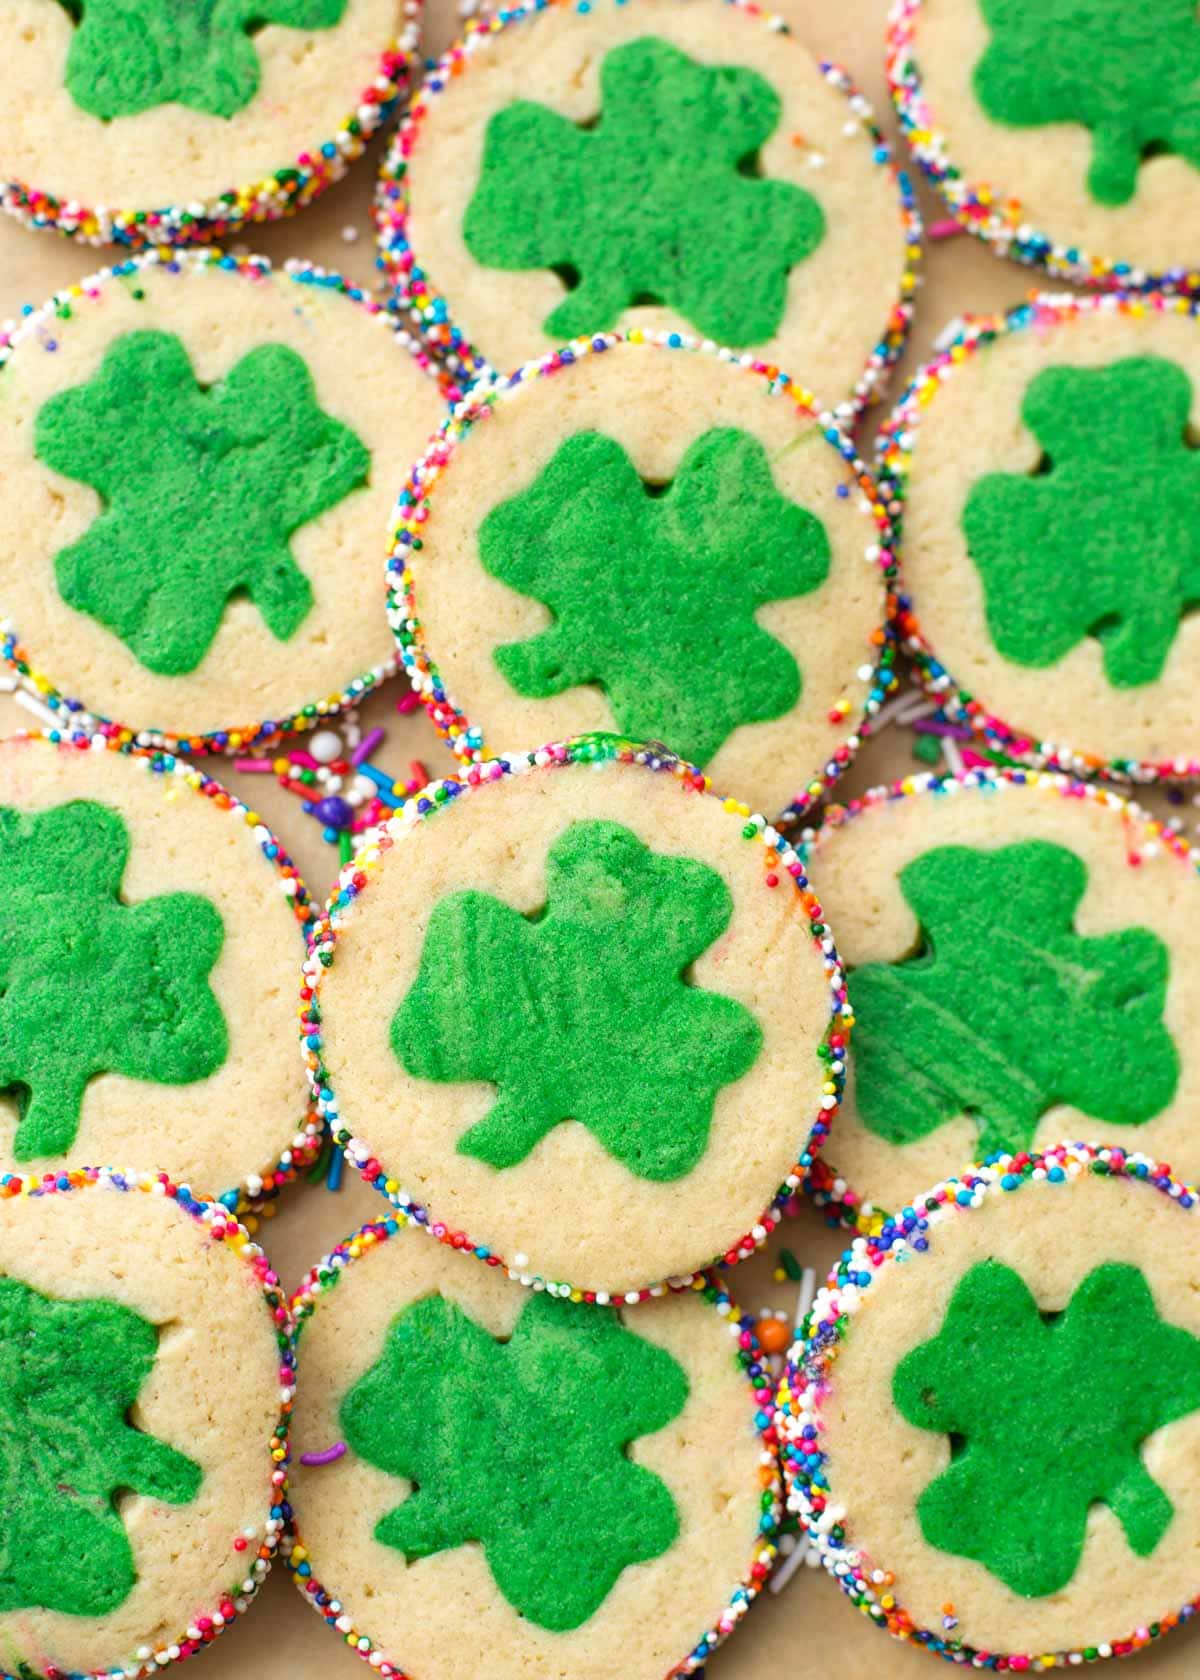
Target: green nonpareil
(660, 200)
(92, 985)
(521, 1446)
(69, 1373)
(582, 1011)
(1047, 1415)
(201, 491)
(1006, 1012)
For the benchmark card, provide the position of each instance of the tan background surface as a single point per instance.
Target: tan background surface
(809, 1631)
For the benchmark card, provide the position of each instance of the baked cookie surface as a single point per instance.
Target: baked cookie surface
(453, 1432)
(656, 165)
(577, 1013)
(200, 455)
(990, 1423)
(141, 1499)
(1046, 483)
(648, 538)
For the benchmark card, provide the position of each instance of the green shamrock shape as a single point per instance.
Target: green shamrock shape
(1130, 74)
(671, 636)
(69, 1373)
(201, 489)
(130, 56)
(90, 984)
(520, 1446)
(1007, 1011)
(582, 1011)
(1047, 1414)
(658, 201)
(1104, 540)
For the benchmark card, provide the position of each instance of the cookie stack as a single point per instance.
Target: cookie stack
(592, 1020)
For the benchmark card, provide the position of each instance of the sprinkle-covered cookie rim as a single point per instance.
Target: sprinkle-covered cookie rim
(326, 1275)
(415, 507)
(1146, 837)
(259, 1187)
(782, 869)
(894, 452)
(43, 325)
(254, 1554)
(983, 209)
(288, 189)
(416, 294)
(807, 1384)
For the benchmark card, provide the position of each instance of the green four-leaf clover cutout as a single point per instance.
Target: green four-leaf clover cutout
(1006, 1011)
(130, 56)
(69, 1373)
(520, 1446)
(654, 588)
(583, 1010)
(660, 200)
(90, 984)
(201, 490)
(1047, 1415)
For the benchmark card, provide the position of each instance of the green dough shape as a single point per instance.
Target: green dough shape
(654, 591)
(201, 490)
(1047, 1414)
(130, 56)
(582, 1011)
(659, 201)
(520, 1447)
(1130, 74)
(89, 984)
(1007, 1011)
(69, 1373)
(1104, 540)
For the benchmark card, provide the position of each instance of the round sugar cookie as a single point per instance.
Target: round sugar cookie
(578, 1015)
(153, 928)
(1064, 133)
(1021, 968)
(198, 458)
(662, 164)
(145, 1472)
(160, 124)
(1044, 476)
(650, 538)
(490, 1480)
(990, 1422)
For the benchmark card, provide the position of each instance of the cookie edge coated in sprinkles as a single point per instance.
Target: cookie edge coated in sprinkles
(782, 870)
(289, 189)
(42, 326)
(259, 1188)
(984, 210)
(415, 294)
(964, 338)
(811, 1494)
(222, 1227)
(414, 508)
(326, 1275)
(1146, 836)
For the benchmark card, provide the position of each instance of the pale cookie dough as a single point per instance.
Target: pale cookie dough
(1065, 135)
(272, 416)
(235, 119)
(1044, 475)
(592, 1494)
(1022, 968)
(733, 603)
(149, 974)
(563, 167)
(585, 1019)
(144, 1398)
(990, 1423)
